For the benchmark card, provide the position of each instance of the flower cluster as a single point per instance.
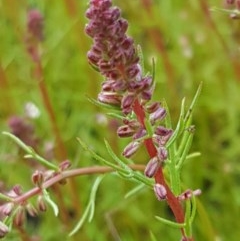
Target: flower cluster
(34, 33)
(114, 54)
(16, 206)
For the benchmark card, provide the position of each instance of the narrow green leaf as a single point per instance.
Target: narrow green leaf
(97, 157)
(170, 223)
(93, 196)
(179, 127)
(153, 238)
(31, 152)
(117, 159)
(134, 190)
(195, 98)
(89, 211)
(185, 151)
(80, 222)
(141, 58)
(103, 105)
(50, 202)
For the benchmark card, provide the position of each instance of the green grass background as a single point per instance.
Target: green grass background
(190, 44)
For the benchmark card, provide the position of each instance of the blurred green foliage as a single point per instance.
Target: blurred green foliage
(190, 44)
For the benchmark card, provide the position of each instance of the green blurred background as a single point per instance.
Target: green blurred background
(190, 44)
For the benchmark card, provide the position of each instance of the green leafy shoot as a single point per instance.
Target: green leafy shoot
(31, 153)
(89, 211)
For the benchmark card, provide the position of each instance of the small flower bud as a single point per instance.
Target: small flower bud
(17, 190)
(32, 211)
(64, 165)
(162, 153)
(140, 133)
(35, 24)
(188, 194)
(159, 114)
(152, 107)
(19, 218)
(37, 178)
(163, 131)
(160, 191)
(42, 206)
(131, 149)
(127, 102)
(7, 208)
(109, 98)
(125, 131)
(152, 167)
(3, 229)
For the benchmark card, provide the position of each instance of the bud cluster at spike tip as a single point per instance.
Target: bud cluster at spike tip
(114, 54)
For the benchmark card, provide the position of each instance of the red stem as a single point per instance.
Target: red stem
(172, 201)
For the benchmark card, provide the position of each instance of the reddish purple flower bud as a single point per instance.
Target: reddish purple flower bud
(147, 94)
(140, 133)
(125, 131)
(189, 193)
(147, 81)
(3, 229)
(131, 149)
(37, 178)
(152, 167)
(17, 189)
(110, 98)
(127, 43)
(32, 211)
(158, 115)
(20, 216)
(134, 124)
(65, 165)
(41, 203)
(133, 71)
(7, 208)
(163, 131)
(160, 191)
(153, 107)
(127, 103)
(35, 24)
(162, 153)
(93, 57)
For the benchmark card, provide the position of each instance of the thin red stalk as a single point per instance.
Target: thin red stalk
(69, 174)
(61, 150)
(172, 201)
